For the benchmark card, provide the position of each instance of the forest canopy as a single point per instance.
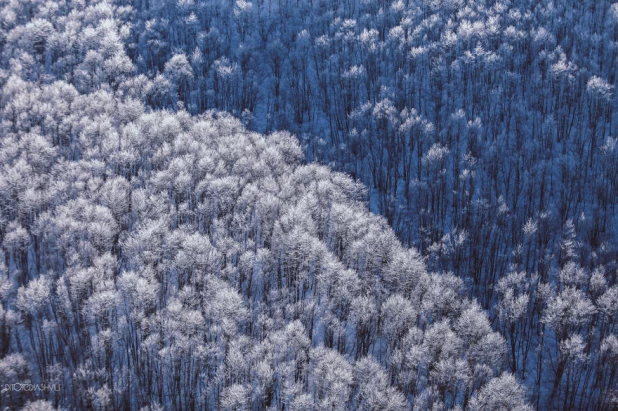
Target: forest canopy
(308, 205)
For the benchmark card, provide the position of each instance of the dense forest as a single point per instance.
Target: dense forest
(308, 205)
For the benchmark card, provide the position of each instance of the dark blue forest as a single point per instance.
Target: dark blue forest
(308, 205)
